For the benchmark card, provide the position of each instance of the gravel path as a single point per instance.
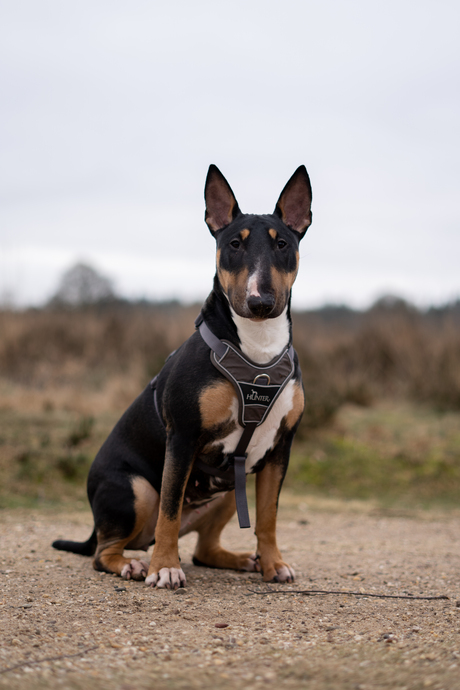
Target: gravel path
(215, 633)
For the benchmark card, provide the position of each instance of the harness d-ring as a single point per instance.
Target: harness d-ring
(263, 375)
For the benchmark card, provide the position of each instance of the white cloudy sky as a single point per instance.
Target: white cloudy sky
(112, 110)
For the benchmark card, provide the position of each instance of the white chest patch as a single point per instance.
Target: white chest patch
(261, 341)
(264, 436)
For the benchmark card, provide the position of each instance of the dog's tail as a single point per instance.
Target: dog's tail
(84, 548)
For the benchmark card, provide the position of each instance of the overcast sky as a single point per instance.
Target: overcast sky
(111, 112)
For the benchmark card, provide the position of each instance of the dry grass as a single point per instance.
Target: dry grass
(69, 375)
(391, 351)
(91, 360)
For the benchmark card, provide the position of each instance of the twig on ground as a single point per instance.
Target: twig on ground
(49, 658)
(310, 592)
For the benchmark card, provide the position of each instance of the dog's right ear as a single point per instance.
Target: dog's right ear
(221, 205)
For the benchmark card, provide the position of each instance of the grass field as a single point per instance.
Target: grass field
(382, 419)
(396, 454)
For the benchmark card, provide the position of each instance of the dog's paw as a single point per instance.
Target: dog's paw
(135, 570)
(167, 578)
(251, 564)
(280, 572)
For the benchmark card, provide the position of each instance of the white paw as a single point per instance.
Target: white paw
(252, 564)
(136, 570)
(167, 578)
(284, 574)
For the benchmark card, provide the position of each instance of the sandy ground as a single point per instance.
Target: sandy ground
(65, 625)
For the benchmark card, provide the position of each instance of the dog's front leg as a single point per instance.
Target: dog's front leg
(164, 569)
(268, 486)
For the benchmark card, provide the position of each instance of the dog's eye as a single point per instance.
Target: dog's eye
(281, 244)
(235, 244)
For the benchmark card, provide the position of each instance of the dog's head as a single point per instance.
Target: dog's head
(258, 255)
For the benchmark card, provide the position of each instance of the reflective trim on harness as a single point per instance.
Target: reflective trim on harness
(255, 400)
(257, 388)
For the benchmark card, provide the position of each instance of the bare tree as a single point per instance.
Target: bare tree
(81, 285)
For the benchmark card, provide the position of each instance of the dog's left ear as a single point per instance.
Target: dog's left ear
(294, 204)
(221, 205)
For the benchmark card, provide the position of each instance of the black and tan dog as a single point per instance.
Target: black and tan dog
(147, 484)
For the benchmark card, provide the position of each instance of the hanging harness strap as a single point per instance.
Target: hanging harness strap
(239, 462)
(257, 388)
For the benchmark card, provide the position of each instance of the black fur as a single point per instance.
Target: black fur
(138, 443)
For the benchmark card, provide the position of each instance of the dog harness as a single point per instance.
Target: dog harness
(257, 388)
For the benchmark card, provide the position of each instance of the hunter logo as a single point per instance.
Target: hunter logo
(253, 396)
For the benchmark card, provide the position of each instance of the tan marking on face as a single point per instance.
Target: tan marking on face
(216, 404)
(244, 234)
(273, 234)
(234, 285)
(282, 282)
(298, 404)
(223, 275)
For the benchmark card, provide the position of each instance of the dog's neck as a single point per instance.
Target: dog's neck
(261, 341)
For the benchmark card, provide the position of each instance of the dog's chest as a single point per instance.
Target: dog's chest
(265, 435)
(261, 342)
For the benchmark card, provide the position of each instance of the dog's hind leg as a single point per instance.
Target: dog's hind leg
(208, 551)
(111, 545)
(109, 558)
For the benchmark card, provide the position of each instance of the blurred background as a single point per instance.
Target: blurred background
(111, 113)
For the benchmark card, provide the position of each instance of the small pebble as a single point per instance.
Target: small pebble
(221, 625)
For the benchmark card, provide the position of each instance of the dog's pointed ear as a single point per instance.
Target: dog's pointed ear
(294, 204)
(221, 205)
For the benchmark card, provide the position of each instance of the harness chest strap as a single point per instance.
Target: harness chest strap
(255, 401)
(239, 464)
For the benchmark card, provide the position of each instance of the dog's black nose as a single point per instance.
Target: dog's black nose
(261, 306)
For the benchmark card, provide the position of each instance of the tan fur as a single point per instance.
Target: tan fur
(215, 404)
(273, 234)
(244, 234)
(146, 504)
(281, 281)
(234, 285)
(268, 483)
(208, 549)
(110, 558)
(166, 549)
(298, 403)
(109, 554)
